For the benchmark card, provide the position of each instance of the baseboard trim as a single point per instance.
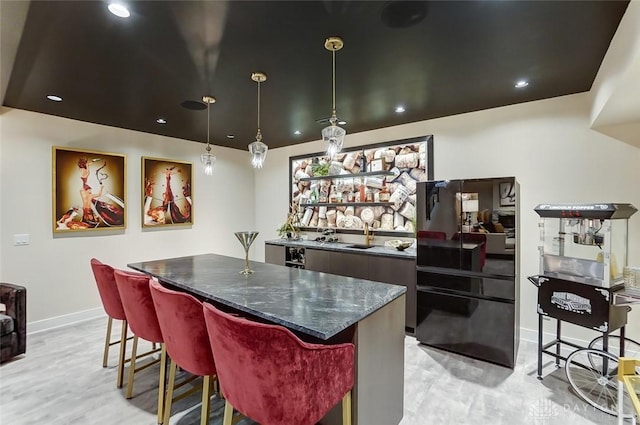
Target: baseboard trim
(64, 320)
(528, 335)
(531, 335)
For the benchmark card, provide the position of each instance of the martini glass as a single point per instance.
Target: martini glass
(246, 239)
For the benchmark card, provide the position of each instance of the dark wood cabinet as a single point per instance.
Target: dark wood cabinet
(274, 254)
(317, 260)
(397, 271)
(348, 264)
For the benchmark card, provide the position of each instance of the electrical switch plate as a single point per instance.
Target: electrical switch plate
(22, 239)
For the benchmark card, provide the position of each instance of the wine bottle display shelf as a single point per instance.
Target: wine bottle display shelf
(347, 204)
(347, 176)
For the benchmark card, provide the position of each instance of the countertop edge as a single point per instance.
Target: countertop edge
(377, 250)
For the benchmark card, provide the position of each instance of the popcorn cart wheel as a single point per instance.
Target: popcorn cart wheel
(593, 374)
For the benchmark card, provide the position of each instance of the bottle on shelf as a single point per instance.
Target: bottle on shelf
(363, 163)
(351, 196)
(384, 192)
(369, 196)
(314, 194)
(333, 197)
(362, 191)
(322, 198)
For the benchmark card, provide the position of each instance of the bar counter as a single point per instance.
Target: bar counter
(320, 305)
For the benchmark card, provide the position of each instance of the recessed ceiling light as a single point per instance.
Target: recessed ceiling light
(161, 121)
(119, 10)
(297, 132)
(400, 109)
(522, 83)
(54, 98)
(342, 122)
(231, 136)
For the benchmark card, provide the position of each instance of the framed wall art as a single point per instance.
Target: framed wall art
(166, 192)
(89, 190)
(507, 194)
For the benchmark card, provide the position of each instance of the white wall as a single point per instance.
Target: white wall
(547, 145)
(616, 105)
(55, 269)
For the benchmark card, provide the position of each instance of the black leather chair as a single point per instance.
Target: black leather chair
(13, 322)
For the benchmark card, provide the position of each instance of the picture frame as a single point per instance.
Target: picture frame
(376, 165)
(166, 192)
(88, 190)
(315, 176)
(507, 193)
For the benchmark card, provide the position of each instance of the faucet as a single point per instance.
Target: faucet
(368, 235)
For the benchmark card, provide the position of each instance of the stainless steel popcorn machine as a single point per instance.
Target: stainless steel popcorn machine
(583, 251)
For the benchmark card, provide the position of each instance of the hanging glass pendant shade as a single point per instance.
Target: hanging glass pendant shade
(258, 149)
(332, 134)
(208, 159)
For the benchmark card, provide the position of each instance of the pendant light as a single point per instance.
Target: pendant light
(208, 159)
(332, 134)
(257, 149)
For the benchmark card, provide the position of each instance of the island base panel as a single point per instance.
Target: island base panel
(378, 395)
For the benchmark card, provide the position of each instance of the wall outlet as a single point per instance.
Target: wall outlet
(22, 239)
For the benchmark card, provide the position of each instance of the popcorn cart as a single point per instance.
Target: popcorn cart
(583, 253)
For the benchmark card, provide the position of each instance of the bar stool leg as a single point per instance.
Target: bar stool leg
(346, 409)
(132, 367)
(228, 414)
(161, 382)
(169, 397)
(107, 343)
(123, 348)
(206, 394)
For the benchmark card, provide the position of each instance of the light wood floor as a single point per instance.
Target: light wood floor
(61, 381)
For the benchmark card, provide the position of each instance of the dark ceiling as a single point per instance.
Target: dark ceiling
(435, 58)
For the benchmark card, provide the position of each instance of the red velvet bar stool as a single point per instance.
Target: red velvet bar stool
(187, 343)
(270, 376)
(105, 279)
(141, 316)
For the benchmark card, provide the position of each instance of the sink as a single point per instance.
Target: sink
(360, 246)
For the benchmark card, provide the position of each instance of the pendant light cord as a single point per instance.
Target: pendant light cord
(208, 118)
(258, 106)
(333, 50)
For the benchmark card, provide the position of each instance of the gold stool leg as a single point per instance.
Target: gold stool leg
(169, 397)
(228, 414)
(161, 383)
(206, 394)
(123, 348)
(132, 366)
(346, 409)
(107, 343)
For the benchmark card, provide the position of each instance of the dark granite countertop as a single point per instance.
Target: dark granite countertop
(409, 253)
(317, 304)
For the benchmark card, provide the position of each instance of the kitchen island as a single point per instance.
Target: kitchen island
(379, 263)
(320, 306)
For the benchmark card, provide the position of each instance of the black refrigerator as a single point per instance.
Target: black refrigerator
(467, 267)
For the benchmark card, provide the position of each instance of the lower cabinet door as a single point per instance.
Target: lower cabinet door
(475, 327)
(397, 271)
(317, 260)
(274, 254)
(350, 265)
